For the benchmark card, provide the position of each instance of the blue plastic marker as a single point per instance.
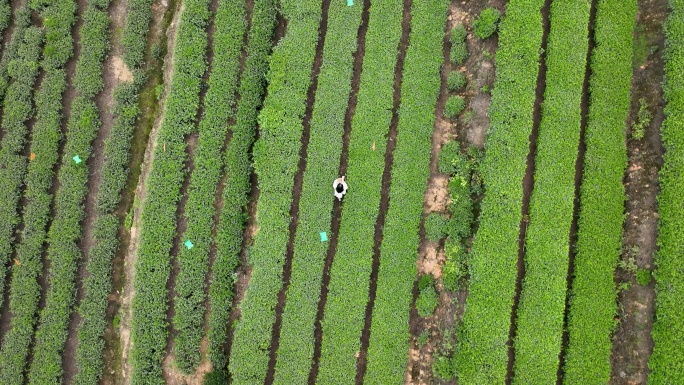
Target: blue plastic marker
(188, 244)
(77, 159)
(324, 236)
(350, 3)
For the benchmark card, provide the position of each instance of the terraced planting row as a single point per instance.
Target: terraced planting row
(238, 167)
(219, 103)
(481, 353)
(599, 240)
(540, 315)
(348, 290)
(252, 129)
(666, 364)
(389, 330)
(158, 220)
(296, 340)
(276, 159)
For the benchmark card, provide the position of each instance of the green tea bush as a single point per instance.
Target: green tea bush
(427, 301)
(425, 281)
(456, 81)
(434, 226)
(485, 25)
(454, 106)
(459, 50)
(452, 160)
(602, 195)
(643, 277)
(389, 331)
(343, 319)
(296, 344)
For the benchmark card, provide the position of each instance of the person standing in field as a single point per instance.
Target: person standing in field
(339, 188)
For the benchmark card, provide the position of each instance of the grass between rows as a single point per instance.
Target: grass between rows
(541, 311)
(296, 345)
(158, 219)
(348, 289)
(599, 239)
(481, 355)
(219, 104)
(276, 158)
(98, 283)
(667, 361)
(389, 333)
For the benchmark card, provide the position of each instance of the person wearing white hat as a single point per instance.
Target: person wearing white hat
(339, 188)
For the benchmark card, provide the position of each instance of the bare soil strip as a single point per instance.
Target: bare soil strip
(337, 205)
(297, 191)
(579, 166)
(130, 257)
(632, 340)
(384, 196)
(527, 183)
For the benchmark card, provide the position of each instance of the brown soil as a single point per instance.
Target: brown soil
(384, 191)
(470, 129)
(479, 69)
(632, 340)
(337, 205)
(140, 195)
(297, 191)
(105, 104)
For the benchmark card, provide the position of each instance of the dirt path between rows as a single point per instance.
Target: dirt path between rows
(297, 190)
(105, 105)
(140, 194)
(633, 344)
(434, 336)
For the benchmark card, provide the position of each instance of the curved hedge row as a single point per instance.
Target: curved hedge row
(541, 310)
(276, 157)
(237, 186)
(63, 251)
(219, 104)
(97, 285)
(345, 306)
(481, 355)
(389, 332)
(599, 238)
(9, 218)
(296, 345)
(667, 361)
(25, 290)
(158, 220)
